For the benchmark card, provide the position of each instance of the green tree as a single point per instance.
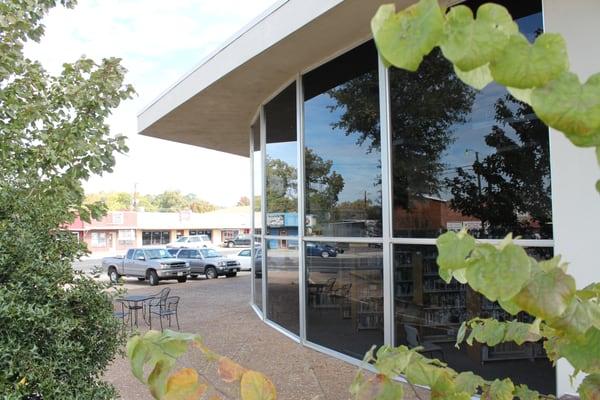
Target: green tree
(322, 185)
(58, 333)
(171, 200)
(282, 186)
(243, 201)
(114, 201)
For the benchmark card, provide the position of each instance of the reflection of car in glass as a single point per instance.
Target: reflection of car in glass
(193, 241)
(243, 256)
(320, 250)
(207, 262)
(239, 240)
(258, 262)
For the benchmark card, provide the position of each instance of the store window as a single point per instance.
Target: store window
(465, 159)
(282, 286)
(281, 163)
(155, 237)
(468, 159)
(206, 232)
(344, 296)
(257, 206)
(99, 239)
(342, 146)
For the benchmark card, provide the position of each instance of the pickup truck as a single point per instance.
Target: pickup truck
(239, 240)
(151, 264)
(207, 262)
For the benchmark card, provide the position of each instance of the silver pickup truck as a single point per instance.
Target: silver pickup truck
(151, 264)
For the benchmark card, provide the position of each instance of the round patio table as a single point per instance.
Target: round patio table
(134, 303)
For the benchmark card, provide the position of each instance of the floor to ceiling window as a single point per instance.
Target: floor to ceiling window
(342, 161)
(281, 204)
(464, 159)
(257, 183)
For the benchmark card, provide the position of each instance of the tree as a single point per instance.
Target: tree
(114, 201)
(322, 185)
(282, 186)
(515, 193)
(58, 331)
(243, 201)
(171, 201)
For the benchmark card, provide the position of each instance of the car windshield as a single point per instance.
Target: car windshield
(205, 238)
(181, 239)
(210, 253)
(154, 254)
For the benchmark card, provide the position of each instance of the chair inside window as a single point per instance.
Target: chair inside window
(165, 310)
(414, 340)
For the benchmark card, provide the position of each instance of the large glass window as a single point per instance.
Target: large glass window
(465, 158)
(342, 146)
(344, 296)
(155, 237)
(282, 284)
(281, 164)
(256, 206)
(428, 313)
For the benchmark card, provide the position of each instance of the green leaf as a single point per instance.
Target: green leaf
(523, 95)
(524, 393)
(524, 65)
(392, 361)
(490, 332)
(547, 294)
(468, 382)
(501, 390)
(590, 387)
(577, 318)
(520, 332)
(403, 39)
(570, 107)
(478, 77)
(509, 306)
(453, 249)
(422, 372)
(583, 352)
(498, 274)
(471, 43)
(184, 385)
(460, 336)
(157, 380)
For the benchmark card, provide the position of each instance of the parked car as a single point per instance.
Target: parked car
(320, 250)
(151, 264)
(207, 262)
(239, 240)
(243, 257)
(258, 263)
(193, 241)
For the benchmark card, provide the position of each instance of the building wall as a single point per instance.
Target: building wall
(576, 204)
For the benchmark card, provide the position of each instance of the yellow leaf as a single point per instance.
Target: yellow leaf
(184, 385)
(256, 386)
(230, 371)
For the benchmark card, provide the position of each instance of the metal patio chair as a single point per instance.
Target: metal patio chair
(168, 310)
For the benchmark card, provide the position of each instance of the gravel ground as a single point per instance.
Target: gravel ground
(219, 311)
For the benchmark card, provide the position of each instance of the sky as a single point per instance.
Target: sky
(159, 41)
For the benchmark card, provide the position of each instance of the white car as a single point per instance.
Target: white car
(193, 241)
(243, 256)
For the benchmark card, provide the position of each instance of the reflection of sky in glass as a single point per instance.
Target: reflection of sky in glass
(359, 169)
(285, 152)
(469, 137)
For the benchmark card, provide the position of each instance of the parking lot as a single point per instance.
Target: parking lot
(219, 311)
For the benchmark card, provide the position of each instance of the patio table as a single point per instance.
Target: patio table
(135, 303)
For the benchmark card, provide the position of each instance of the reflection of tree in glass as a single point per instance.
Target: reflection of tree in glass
(424, 106)
(322, 185)
(515, 196)
(282, 186)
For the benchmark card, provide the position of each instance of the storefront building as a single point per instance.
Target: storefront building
(357, 168)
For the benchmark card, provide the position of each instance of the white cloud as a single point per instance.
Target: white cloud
(158, 41)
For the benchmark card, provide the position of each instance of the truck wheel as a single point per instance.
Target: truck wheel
(230, 244)
(182, 279)
(231, 274)
(152, 277)
(211, 273)
(113, 275)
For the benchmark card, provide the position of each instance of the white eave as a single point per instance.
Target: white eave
(213, 106)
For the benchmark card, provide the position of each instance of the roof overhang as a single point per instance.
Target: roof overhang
(214, 105)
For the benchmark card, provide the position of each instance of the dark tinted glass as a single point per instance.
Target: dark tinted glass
(428, 313)
(282, 164)
(257, 271)
(463, 158)
(344, 296)
(342, 146)
(282, 284)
